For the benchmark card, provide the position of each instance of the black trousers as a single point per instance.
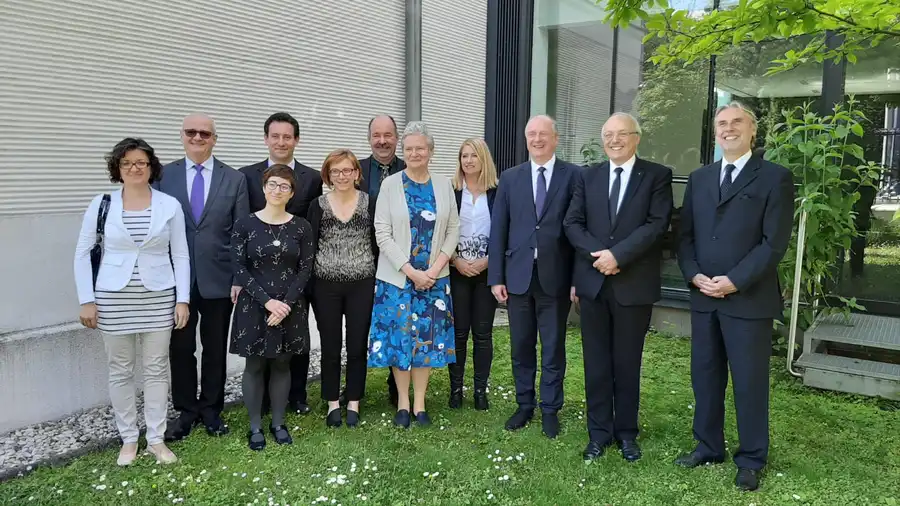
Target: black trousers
(529, 313)
(214, 316)
(332, 301)
(612, 338)
(473, 309)
(717, 342)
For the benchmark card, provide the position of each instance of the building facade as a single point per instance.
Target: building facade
(79, 77)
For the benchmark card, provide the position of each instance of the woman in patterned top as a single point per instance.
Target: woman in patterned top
(417, 228)
(139, 294)
(473, 303)
(344, 272)
(272, 252)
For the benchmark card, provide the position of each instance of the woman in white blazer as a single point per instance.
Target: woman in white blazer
(140, 293)
(417, 228)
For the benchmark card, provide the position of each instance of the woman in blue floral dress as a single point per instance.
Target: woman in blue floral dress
(417, 229)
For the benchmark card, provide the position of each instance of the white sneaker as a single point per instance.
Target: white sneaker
(162, 453)
(127, 454)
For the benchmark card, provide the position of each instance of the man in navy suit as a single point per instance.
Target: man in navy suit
(736, 224)
(619, 213)
(282, 134)
(531, 267)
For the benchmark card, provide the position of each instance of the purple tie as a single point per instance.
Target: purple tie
(197, 191)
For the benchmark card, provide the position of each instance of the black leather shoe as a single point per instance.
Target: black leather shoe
(456, 398)
(256, 440)
(519, 419)
(282, 436)
(352, 419)
(550, 425)
(401, 419)
(179, 428)
(423, 419)
(300, 407)
(691, 460)
(747, 479)
(594, 450)
(334, 418)
(216, 427)
(481, 400)
(630, 450)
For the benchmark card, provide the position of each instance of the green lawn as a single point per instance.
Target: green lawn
(881, 275)
(826, 449)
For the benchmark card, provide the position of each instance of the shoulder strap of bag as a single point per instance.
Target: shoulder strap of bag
(101, 217)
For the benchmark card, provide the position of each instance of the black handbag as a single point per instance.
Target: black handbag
(97, 249)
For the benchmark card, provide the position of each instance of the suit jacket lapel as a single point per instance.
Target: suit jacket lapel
(556, 180)
(747, 174)
(365, 166)
(156, 214)
(602, 180)
(526, 188)
(218, 174)
(634, 182)
(114, 216)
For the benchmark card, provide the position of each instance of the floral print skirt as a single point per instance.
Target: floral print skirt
(412, 328)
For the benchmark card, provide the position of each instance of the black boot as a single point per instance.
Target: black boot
(456, 398)
(481, 400)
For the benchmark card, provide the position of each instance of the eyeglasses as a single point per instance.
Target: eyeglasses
(282, 187)
(608, 136)
(339, 172)
(126, 165)
(204, 134)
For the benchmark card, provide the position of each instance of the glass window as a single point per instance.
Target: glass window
(871, 269)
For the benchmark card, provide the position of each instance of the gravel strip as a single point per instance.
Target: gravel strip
(58, 442)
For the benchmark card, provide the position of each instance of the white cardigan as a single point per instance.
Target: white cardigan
(120, 253)
(393, 234)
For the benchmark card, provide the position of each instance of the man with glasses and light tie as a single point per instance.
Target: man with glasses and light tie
(213, 196)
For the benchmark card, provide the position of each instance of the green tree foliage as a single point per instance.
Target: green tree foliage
(690, 35)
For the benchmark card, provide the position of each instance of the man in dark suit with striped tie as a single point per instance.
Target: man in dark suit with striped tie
(619, 212)
(736, 224)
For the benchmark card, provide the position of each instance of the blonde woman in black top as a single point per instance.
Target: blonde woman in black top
(344, 271)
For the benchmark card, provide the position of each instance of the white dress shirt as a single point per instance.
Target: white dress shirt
(270, 163)
(738, 165)
(191, 174)
(624, 178)
(474, 226)
(548, 173)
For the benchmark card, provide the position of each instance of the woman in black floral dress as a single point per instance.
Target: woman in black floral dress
(272, 252)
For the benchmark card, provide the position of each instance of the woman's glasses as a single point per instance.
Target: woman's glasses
(282, 187)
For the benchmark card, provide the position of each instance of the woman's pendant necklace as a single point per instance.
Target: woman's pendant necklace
(277, 241)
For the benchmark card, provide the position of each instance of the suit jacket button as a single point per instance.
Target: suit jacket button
(537, 227)
(610, 238)
(715, 238)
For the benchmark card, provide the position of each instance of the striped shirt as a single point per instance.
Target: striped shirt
(134, 308)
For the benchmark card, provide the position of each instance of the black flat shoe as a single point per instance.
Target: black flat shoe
(747, 479)
(401, 419)
(691, 460)
(594, 450)
(301, 408)
(630, 450)
(519, 419)
(334, 418)
(456, 399)
(282, 436)
(481, 400)
(423, 419)
(256, 440)
(216, 427)
(352, 419)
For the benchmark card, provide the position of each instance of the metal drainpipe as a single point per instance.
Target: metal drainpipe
(413, 60)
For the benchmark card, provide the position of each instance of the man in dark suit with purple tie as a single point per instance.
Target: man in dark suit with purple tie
(619, 212)
(736, 224)
(530, 268)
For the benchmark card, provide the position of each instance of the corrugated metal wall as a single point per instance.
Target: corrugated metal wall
(78, 76)
(453, 75)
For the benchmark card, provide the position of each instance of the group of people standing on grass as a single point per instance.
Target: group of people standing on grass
(413, 262)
